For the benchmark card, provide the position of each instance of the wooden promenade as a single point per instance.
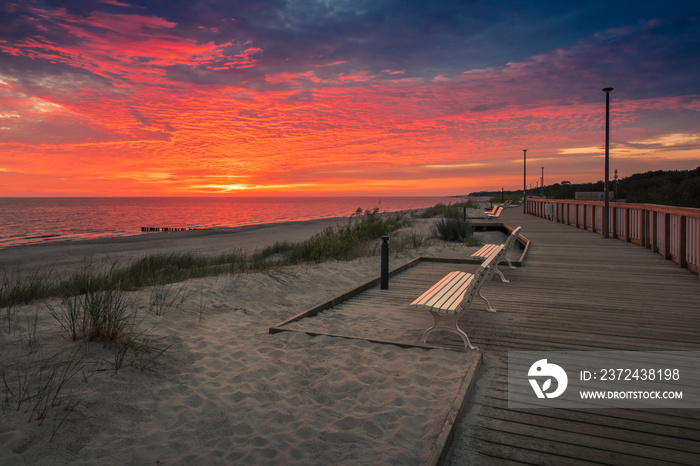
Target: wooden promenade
(575, 291)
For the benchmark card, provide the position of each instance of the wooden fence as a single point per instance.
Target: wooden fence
(673, 232)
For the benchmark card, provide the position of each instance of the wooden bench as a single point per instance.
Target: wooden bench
(495, 213)
(487, 251)
(492, 211)
(452, 296)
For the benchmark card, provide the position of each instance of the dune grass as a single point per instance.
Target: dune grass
(455, 229)
(339, 242)
(446, 210)
(96, 306)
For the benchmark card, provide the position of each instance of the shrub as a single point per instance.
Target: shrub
(341, 242)
(446, 210)
(453, 229)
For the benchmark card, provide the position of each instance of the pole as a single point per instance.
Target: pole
(606, 210)
(542, 184)
(384, 266)
(524, 181)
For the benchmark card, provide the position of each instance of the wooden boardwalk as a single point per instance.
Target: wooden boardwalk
(575, 291)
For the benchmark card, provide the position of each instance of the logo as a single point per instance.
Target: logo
(543, 369)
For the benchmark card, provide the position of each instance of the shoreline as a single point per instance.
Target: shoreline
(96, 218)
(72, 254)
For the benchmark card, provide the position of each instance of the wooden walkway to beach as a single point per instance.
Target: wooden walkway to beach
(575, 291)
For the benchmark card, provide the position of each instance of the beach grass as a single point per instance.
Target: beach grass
(446, 210)
(340, 242)
(455, 229)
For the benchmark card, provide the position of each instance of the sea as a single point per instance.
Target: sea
(32, 220)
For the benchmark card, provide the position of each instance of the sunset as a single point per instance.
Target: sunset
(349, 232)
(120, 98)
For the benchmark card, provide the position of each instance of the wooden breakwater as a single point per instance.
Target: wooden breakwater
(168, 229)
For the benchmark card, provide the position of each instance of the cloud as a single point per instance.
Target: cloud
(280, 94)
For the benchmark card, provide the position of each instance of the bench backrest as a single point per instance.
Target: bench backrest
(482, 275)
(510, 241)
(495, 213)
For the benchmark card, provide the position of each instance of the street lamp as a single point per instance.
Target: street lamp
(606, 210)
(542, 184)
(524, 181)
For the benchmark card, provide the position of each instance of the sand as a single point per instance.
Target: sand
(224, 390)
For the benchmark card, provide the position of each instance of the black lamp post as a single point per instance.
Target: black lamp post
(542, 184)
(606, 210)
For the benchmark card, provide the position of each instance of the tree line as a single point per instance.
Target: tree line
(665, 187)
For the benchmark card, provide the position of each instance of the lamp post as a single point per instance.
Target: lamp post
(524, 181)
(542, 184)
(606, 209)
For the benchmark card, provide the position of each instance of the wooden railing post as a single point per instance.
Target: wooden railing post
(667, 237)
(682, 247)
(654, 220)
(627, 226)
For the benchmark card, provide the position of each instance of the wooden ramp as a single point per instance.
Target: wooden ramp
(577, 291)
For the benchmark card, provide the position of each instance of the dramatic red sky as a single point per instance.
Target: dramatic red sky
(342, 97)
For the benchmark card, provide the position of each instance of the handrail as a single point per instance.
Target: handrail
(673, 232)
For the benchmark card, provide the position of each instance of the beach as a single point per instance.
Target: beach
(217, 388)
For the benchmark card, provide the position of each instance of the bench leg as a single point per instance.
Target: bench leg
(448, 322)
(490, 309)
(503, 278)
(510, 264)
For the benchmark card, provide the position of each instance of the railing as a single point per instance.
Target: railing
(673, 232)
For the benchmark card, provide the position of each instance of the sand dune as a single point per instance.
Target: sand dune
(225, 390)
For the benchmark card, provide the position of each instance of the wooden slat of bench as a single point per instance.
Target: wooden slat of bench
(422, 299)
(485, 251)
(449, 299)
(447, 294)
(441, 290)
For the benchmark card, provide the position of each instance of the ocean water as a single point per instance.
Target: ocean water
(40, 220)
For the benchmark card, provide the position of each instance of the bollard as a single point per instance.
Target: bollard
(385, 263)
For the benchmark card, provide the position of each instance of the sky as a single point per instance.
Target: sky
(341, 97)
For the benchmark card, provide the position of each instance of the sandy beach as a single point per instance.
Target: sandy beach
(223, 390)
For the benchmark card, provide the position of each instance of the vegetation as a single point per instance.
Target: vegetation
(672, 187)
(677, 188)
(97, 306)
(452, 226)
(446, 210)
(340, 242)
(455, 229)
(503, 197)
